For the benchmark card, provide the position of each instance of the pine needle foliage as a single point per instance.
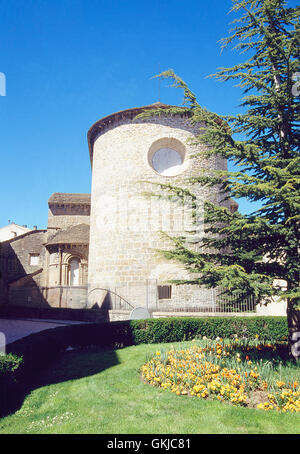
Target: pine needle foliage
(245, 254)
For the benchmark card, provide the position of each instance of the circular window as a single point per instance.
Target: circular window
(167, 161)
(167, 157)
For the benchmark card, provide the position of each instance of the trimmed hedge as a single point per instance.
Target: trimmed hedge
(48, 343)
(178, 329)
(39, 349)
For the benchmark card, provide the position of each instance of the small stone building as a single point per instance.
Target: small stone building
(100, 249)
(48, 268)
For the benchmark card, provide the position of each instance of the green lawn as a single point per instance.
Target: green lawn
(100, 392)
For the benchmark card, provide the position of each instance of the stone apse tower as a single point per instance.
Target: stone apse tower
(131, 157)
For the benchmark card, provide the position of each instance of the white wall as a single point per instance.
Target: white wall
(11, 231)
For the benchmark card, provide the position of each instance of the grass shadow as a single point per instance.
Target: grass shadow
(76, 364)
(48, 358)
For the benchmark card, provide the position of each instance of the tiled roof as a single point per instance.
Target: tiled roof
(77, 234)
(69, 199)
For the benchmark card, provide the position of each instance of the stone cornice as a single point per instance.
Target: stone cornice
(104, 123)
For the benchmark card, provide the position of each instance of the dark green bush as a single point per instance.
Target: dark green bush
(10, 370)
(41, 347)
(179, 329)
(9, 365)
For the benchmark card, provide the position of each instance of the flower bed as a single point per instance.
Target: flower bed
(234, 372)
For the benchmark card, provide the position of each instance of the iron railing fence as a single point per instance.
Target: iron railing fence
(146, 294)
(112, 299)
(125, 297)
(220, 307)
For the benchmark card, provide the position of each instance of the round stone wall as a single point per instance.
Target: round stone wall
(130, 157)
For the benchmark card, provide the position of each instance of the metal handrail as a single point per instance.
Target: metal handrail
(114, 293)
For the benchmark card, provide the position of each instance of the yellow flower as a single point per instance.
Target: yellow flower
(199, 376)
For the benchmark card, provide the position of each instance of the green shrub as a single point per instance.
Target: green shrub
(41, 347)
(9, 364)
(10, 369)
(179, 329)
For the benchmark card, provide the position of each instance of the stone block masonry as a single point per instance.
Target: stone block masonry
(126, 225)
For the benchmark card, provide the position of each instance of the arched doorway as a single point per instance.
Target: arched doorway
(74, 271)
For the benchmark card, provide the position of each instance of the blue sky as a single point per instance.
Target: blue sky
(70, 62)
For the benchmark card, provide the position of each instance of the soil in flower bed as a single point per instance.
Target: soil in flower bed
(257, 397)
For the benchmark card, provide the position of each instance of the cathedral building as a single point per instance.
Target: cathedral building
(100, 250)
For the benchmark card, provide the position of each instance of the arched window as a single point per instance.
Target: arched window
(74, 271)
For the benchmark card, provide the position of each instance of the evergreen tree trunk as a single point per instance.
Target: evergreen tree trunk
(293, 320)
